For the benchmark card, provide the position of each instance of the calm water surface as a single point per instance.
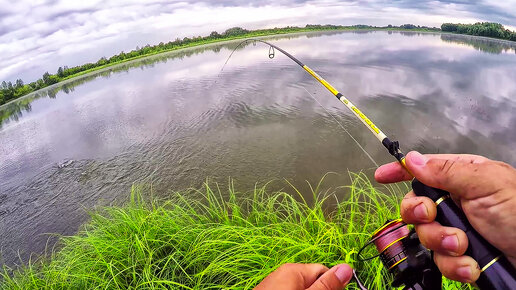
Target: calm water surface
(173, 120)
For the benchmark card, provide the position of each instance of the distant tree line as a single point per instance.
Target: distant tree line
(488, 29)
(10, 91)
(394, 27)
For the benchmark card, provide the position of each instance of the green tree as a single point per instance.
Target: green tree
(18, 84)
(33, 86)
(408, 26)
(40, 83)
(235, 31)
(449, 27)
(489, 29)
(102, 61)
(214, 35)
(53, 79)
(46, 78)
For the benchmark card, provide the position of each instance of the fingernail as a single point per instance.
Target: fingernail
(417, 159)
(343, 272)
(464, 272)
(451, 243)
(420, 212)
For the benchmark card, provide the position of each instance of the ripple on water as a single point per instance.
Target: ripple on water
(175, 123)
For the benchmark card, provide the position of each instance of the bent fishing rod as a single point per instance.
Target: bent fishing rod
(399, 248)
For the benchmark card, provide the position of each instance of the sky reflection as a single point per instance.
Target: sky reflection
(39, 36)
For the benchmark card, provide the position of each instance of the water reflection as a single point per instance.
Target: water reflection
(173, 120)
(481, 43)
(14, 110)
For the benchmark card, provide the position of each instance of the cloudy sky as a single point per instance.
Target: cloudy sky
(41, 35)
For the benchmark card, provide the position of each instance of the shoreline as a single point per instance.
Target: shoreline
(218, 239)
(209, 43)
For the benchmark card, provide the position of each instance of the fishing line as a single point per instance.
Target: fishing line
(343, 128)
(392, 146)
(272, 54)
(232, 52)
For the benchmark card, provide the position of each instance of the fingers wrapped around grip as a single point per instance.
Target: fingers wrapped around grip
(449, 244)
(417, 209)
(463, 268)
(421, 211)
(444, 240)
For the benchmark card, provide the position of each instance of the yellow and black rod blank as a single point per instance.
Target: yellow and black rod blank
(497, 272)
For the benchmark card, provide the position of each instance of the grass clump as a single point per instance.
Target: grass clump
(207, 240)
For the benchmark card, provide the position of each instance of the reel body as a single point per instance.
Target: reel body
(405, 257)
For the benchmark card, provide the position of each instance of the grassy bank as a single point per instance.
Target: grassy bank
(217, 240)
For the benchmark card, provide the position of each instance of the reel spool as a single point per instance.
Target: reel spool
(404, 257)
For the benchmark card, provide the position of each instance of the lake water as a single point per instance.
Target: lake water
(173, 120)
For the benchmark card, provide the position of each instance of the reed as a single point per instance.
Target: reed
(210, 239)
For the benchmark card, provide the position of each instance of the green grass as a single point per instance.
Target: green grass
(213, 239)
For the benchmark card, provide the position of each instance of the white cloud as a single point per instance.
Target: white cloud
(36, 36)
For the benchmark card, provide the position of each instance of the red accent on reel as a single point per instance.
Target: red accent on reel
(389, 243)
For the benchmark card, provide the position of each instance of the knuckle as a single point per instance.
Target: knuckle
(442, 268)
(503, 165)
(325, 285)
(471, 158)
(430, 235)
(406, 210)
(422, 233)
(463, 242)
(285, 267)
(445, 171)
(437, 260)
(480, 159)
(505, 170)
(447, 166)
(445, 267)
(323, 268)
(319, 268)
(410, 194)
(411, 202)
(448, 267)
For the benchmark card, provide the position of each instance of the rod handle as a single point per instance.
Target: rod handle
(498, 273)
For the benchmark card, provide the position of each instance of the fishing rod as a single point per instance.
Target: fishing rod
(398, 247)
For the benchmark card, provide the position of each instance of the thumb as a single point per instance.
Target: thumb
(465, 177)
(334, 279)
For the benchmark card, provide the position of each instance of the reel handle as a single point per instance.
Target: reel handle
(497, 271)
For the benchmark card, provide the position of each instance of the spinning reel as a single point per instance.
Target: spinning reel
(402, 254)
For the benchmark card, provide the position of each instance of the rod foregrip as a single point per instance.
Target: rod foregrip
(497, 271)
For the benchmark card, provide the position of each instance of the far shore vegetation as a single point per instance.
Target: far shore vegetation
(216, 239)
(10, 91)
